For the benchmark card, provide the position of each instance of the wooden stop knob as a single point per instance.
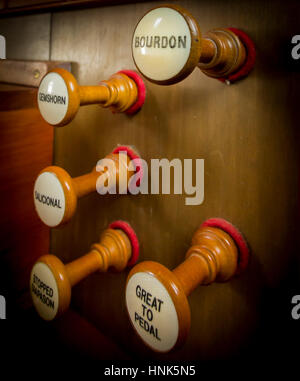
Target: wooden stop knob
(51, 281)
(167, 45)
(60, 96)
(56, 193)
(156, 298)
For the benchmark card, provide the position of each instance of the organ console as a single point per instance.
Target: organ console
(56, 193)
(167, 45)
(156, 298)
(51, 281)
(60, 96)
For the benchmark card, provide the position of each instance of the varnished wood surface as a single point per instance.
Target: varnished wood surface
(17, 97)
(26, 144)
(27, 37)
(12, 7)
(27, 73)
(245, 132)
(250, 167)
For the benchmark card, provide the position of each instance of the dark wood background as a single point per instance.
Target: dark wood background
(247, 134)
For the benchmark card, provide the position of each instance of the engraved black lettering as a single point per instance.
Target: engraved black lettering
(138, 291)
(56, 99)
(172, 42)
(160, 302)
(182, 42)
(142, 41)
(54, 202)
(156, 42)
(149, 315)
(146, 326)
(164, 42)
(149, 41)
(147, 297)
(42, 291)
(144, 309)
(159, 42)
(143, 295)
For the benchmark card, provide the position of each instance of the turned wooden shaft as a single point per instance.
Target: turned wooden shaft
(86, 184)
(191, 273)
(50, 274)
(212, 257)
(208, 51)
(83, 266)
(123, 92)
(119, 91)
(223, 53)
(93, 94)
(114, 250)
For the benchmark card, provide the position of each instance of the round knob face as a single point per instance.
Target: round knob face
(44, 291)
(162, 46)
(152, 311)
(49, 199)
(53, 98)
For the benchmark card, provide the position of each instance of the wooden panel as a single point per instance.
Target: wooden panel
(32, 6)
(26, 142)
(28, 3)
(27, 73)
(27, 37)
(246, 133)
(16, 97)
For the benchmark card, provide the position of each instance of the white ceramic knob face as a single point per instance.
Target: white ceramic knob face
(44, 291)
(161, 44)
(152, 312)
(53, 98)
(49, 199)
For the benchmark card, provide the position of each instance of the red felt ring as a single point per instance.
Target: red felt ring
(141, 91)
(236, 235)
(133, 157)
(127, 229)
(248, 65)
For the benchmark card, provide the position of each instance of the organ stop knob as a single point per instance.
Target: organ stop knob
(60, 96)
(156, 297)
(51, 281)
(167, 45)
(56, 193)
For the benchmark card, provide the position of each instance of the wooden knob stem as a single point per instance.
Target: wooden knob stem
(93, 94)
(56, 193)
(86, 184)
(156, 298)
(119, 92)
(208, 51)
(212, 257)
(60, 96)
(222, 54)
(51, 281)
